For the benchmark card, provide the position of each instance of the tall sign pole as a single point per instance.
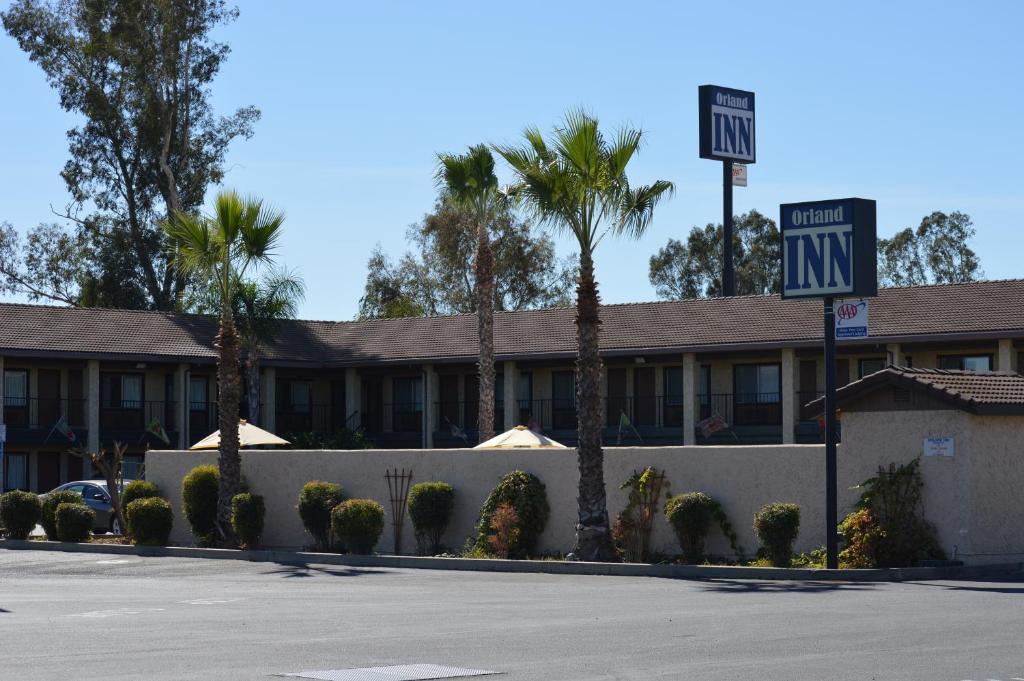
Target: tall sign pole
(828, 250)
(727, 135)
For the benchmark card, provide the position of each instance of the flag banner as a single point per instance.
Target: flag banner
(64, 429)
(155, 429)
(712, 425)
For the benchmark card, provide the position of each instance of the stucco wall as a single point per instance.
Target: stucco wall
(742, 478)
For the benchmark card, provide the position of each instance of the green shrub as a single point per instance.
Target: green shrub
(138, 489)
(199, 501)
(342, 439)
(247, 511)
(149, 521)
(691, 515)
(48, 518)
(776, 526)
(19, 513)
(74, 522)
(358, 524)
(430, 509)
(316, 500)
(528, 498)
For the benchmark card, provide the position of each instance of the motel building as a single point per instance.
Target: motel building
(749, 364)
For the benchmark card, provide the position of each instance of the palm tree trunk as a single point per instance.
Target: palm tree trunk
(229, 383)
(484, 274)
(593, 531)
(252, 369)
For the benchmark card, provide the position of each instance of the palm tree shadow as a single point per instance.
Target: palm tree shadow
(751, 586)
(304, 570)
(4, 610)
(983, 585)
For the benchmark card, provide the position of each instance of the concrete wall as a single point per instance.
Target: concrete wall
(742, 478)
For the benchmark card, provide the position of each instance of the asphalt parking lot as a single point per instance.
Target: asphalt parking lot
(112, 617)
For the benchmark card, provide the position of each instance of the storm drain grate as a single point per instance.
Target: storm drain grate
(400, 672)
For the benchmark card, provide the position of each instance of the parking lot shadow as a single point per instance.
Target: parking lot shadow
(993, 585)
(752, 586)
(304, 570)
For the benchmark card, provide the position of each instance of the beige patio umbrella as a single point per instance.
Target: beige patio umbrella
(520, 437)
(248, 436)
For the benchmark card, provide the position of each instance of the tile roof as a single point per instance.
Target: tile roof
(974, 310)
(979, 392)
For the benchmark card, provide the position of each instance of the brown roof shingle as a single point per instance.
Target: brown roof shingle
(974, 310)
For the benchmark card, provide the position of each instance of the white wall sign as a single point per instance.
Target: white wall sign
(939, 446)
(851, 318)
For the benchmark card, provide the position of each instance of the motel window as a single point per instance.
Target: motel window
(867, 367)
(121, 391)
(408, 394)
(15, 388)
(198, 393)
(756, 383)
(525, 390)
(16, 472)
(563, 389)
(704, 389)
(300, 395)
(674, 393)
(966, 362)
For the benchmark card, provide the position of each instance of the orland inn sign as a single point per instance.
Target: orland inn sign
(828, 249)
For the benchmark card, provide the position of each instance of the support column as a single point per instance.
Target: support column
(92, 412)
(429, 405)
(789, 406)
(3, 386)
(181, 378)
(268, 399)
(352, 399)
(895, 353)
(509, 398)
(689, 398)
(1004, 362)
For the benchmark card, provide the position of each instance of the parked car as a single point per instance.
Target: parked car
(96, 497)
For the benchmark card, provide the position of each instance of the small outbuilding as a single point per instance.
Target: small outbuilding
(968, 429)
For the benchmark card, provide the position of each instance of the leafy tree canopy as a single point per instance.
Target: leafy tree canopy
(934, 253)
(439, 280)
(139, 73)
(694, 269)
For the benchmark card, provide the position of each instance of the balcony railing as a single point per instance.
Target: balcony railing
(138, 415)
(464, 415)
(400, 417)
(43, 412)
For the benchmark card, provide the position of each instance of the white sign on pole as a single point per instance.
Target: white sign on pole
(852, 319)
(939, 446)
(739, 175)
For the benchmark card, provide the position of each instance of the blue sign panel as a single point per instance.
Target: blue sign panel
(727, 124)
(828, 249)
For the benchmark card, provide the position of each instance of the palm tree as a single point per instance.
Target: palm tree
(469, 181)
(259, 307)
(241, 234)
(578, 184)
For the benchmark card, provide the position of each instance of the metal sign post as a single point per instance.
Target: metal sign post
(828, 249)
(727, 135)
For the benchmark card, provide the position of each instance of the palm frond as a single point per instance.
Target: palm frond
(636, 207)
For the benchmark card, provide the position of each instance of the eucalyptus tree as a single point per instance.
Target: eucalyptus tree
(222, 248)
(577, 183)
(469, 181)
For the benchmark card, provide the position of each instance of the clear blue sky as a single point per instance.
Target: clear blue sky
(916, 105)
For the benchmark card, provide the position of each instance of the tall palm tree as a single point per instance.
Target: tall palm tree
(577, 183)
(260, 306)
(469, 181)
(240, 234)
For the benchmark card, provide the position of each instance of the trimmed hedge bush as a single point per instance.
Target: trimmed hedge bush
(247, 511)
(528, 498)
(149, 521)
(316, 500)
(74, 522)
(430, 509)
(138, 489)
(51, 501)
(199, 501)
(19, 513)
(358, 524)
(690, 516)
(776, 526)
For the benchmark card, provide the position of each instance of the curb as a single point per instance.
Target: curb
(531, 566)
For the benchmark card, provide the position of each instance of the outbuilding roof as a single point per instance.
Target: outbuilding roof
(978, 392)
(978, 310)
